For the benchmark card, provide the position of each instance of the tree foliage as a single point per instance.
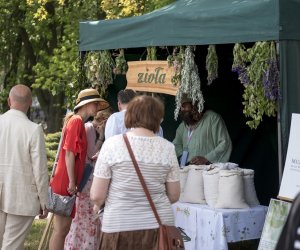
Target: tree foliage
(125, 8)
(38, 47)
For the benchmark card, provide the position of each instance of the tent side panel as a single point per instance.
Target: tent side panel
(290, 87)
(289, 19)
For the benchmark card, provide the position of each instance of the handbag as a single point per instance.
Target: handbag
(59, 204)
(169, 237)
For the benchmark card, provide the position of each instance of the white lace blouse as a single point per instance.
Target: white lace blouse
(126, 206)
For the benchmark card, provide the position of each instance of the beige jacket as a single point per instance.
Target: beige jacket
(23, 165)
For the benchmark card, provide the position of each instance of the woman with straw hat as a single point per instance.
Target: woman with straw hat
(85, 228)
(71, 160)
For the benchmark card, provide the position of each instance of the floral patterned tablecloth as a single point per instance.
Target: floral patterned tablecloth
(206, 228)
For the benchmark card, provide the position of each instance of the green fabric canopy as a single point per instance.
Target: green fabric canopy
(196, 22)
(200, 22)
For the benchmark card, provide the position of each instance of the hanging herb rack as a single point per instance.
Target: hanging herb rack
(257, 68)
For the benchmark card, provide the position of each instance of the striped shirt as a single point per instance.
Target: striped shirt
(126, 206)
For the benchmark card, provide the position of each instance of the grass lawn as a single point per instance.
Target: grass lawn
(33, 238)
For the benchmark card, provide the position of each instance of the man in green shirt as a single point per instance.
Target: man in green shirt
(202, 138)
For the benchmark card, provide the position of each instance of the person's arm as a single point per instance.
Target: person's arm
(221, 140)
(91, 139)
(70, 163)
(173, 191)
(39, 168)
(102, 177)
(99, 191)
(178, 140)
(172, 180)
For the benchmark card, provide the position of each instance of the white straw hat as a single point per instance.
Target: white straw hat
(90, 95)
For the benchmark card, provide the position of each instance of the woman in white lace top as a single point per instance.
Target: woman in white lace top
(128, 220)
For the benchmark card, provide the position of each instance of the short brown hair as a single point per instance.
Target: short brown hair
(126, 95)
(144, 112)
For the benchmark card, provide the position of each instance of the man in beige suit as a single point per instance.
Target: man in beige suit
(23, 171)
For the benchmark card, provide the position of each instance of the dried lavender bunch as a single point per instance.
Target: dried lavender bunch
(271, 81)
(271, 77)
(239, 63)
(241, 70)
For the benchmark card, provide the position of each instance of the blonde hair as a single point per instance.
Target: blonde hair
(67, 118)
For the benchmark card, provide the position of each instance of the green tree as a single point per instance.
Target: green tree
(126, 8)
(38, 47)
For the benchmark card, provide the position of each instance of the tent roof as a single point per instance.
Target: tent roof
(196, 22)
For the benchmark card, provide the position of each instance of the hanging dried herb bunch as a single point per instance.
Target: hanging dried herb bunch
(211, 64)
(121, 63)
(82, 80)
(271, 77)
(151, 54)
(99, 67)
(175, 60)
(239, 62)
(258, 71)
(190, 82)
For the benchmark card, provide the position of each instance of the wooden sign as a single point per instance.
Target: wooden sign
(151, 76)
(290, 183)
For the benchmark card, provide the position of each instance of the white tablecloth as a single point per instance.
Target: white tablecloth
(207, 228)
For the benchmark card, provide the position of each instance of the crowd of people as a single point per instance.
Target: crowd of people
(92, 137)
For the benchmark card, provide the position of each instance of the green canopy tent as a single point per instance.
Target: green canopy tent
(203, 22)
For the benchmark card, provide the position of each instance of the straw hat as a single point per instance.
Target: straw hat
(90, 95)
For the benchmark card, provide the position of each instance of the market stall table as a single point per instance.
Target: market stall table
(206, 228)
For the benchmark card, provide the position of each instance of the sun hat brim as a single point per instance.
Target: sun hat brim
(103, 104)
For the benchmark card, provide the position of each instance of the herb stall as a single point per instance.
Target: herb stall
(238, 52)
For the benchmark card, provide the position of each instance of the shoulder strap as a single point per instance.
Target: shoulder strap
(57, 154)
(138, 171)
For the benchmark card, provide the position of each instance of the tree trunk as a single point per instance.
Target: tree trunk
(53, 110)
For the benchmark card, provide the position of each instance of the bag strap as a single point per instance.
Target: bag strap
(57, 154)
(138, 171)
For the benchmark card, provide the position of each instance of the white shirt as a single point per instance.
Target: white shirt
(126, 206)
(115, 124)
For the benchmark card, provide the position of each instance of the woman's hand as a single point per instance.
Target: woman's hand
(96, 209)
(94, 157)
(71, 188)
